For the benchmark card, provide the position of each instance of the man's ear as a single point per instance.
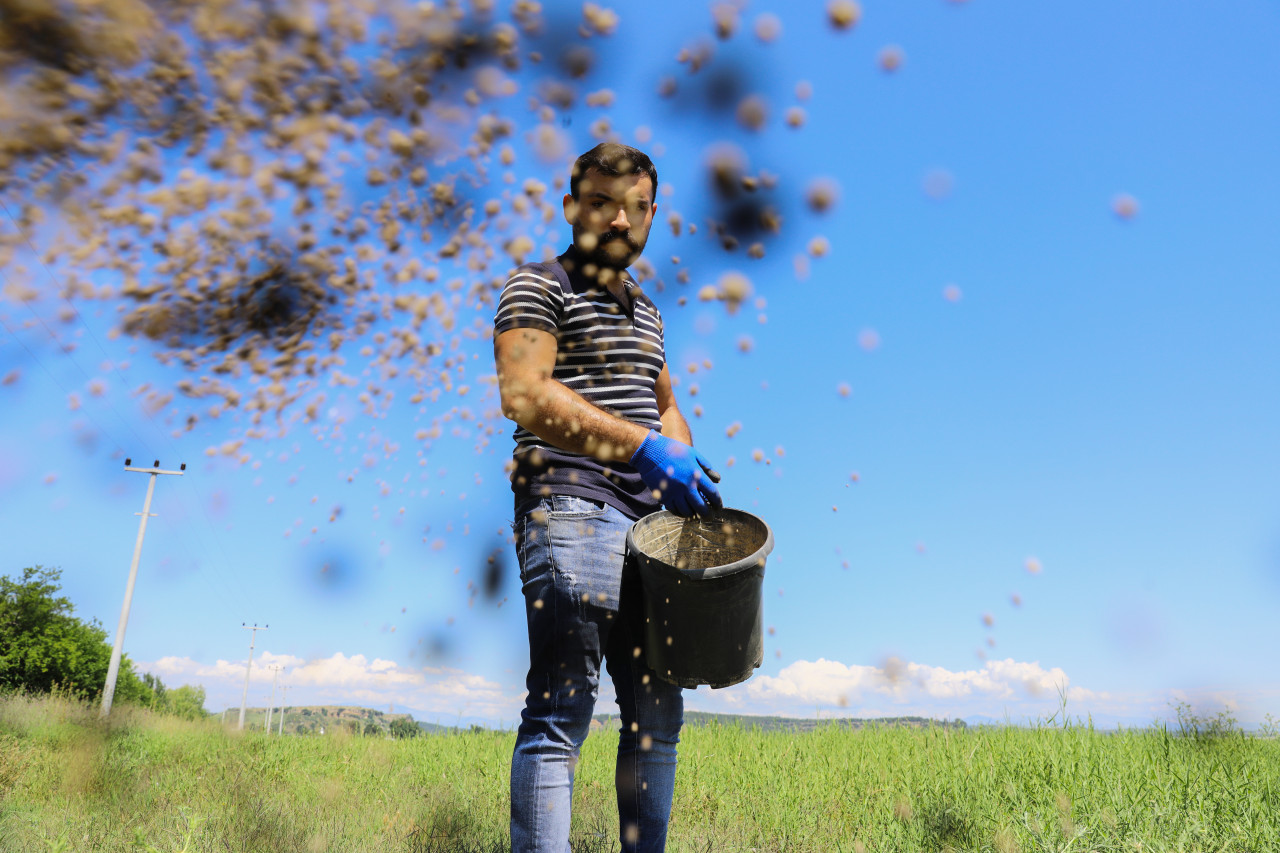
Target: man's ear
(570, 209)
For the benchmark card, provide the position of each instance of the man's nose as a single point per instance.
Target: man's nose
(620, 221)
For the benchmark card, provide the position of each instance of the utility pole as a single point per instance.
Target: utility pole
(284, 690)
(113, 670)
(248, 669)
(272, 704)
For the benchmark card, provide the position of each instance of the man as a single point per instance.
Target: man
(599, 443)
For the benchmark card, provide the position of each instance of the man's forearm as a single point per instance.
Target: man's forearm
(675, 426)
(560, 416)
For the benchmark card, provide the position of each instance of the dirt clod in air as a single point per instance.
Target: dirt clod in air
(843, 14)
(891, 58)
(1124, 206)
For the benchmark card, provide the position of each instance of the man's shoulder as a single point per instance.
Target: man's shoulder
(547, 271)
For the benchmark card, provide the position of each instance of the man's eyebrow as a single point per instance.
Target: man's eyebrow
(607, 197)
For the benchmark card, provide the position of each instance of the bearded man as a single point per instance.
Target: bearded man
(599, 443)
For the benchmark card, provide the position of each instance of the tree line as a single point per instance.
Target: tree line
(45, 648)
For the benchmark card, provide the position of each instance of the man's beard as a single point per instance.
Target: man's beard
(601, 257)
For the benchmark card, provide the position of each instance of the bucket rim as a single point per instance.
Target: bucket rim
(753, 560)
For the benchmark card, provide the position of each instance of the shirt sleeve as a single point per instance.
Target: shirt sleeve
(531, 299)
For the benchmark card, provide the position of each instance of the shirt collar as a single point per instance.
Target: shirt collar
(574, 259)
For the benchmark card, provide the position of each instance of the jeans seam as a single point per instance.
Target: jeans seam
(537, 767)
(556, 652)
(635, 757)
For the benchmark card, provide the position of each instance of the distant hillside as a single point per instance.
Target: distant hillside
(327, 719)
(790, 724)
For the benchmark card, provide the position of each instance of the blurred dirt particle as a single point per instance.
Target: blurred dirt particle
(822, 194)
(768, 28)
(938, 184)
(494, 573)
(843, 14)
(752, 112)
(725, 17)
(1124, 206)
(891, 58)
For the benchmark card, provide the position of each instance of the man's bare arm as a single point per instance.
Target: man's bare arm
(549, 409)
(673, 423)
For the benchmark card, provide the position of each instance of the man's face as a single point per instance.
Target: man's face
(611, 217)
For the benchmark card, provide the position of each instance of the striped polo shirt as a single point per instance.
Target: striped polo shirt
(610, 358)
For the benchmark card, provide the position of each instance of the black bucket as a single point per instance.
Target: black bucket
(703, 581)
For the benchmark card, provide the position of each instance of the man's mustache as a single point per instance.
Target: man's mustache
(624, 236)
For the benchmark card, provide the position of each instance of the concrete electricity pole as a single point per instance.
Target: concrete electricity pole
(271, 705)
(249, 669)
(284, 691)
(113, 670)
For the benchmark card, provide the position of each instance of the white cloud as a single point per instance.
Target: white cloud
(428, 692)
(1018, 691)
(825, 682)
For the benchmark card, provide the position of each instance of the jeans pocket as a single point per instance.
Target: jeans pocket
(572, 506)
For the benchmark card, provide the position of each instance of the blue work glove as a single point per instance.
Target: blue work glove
(675, 471)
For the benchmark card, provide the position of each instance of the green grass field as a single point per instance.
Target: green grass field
(147, 783)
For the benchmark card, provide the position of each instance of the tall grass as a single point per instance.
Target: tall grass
(145, 783)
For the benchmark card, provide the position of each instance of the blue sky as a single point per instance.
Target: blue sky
(1032, 380)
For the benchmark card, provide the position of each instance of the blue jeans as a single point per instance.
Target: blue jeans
(582, 608)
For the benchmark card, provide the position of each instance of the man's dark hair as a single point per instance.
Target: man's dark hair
(612, 160)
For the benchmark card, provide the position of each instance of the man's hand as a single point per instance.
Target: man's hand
(676, 471)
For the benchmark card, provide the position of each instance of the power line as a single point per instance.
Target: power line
(225, 590)
(107, 357)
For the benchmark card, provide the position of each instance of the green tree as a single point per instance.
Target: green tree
(43, 646)
(186, 702)
(158, 691)
(403, 728)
